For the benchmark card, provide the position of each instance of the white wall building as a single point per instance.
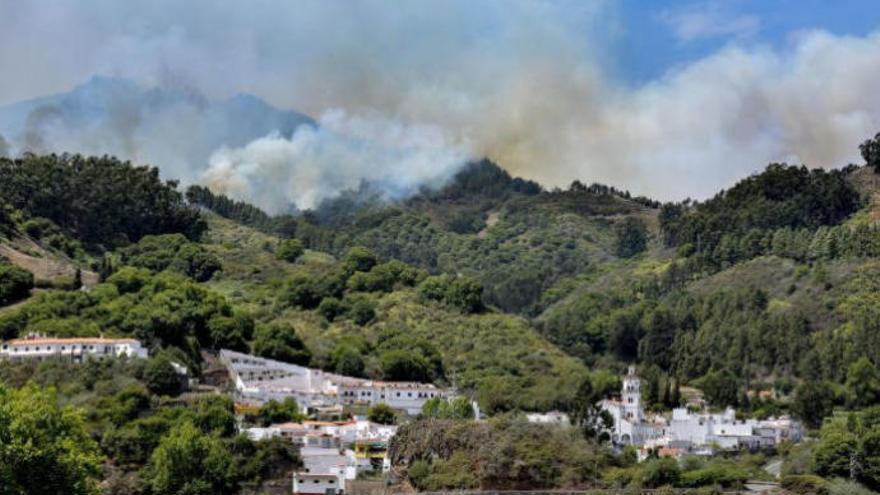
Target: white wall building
(317, 484)
(260, 380)
(74, 349)
(630, 425)
(549, 418)
(688, 431)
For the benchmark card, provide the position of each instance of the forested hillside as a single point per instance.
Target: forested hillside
(525, 299)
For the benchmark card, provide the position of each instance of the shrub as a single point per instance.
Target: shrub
(805, 484)
(382, 413)
(660, 472)
(161, 377)
(280, 342)
(362, 310)
(289, 250)
(15, 283)
(331, 307)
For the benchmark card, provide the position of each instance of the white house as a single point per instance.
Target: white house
(317, 484)
(260, 380)
(39, 348)
(549, 418)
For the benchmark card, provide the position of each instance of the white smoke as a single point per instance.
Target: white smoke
(316, 163)
(525, 83)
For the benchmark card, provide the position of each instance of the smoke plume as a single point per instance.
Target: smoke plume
(316, 163)
(406, 90)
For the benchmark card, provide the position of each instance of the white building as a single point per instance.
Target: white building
(305, 483)
(260, 380)
(723, 430)
(690, 432)
(549, 418)
(75, 349)
(630, 424)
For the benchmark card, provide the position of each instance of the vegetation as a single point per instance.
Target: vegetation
(155, 445)
(15, 283)
(763, 297)
(45, 449)
(871, 152)
(382, 413)
(174, 252)
(100, 201)
(241, 212)
(289, 250)
(504, 453)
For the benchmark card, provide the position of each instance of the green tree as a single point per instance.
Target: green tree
(660, 472)
(631, 237)
(189, 462)
(862, 384)
(870, 150)
(289, 250)
(586, 413)
(721, 388)
(280, 342)
(360, 259)
(274, 412)
(466, 294)
(401, 365)
(331, 307)
(459, 408)
(382, 413)
(813, 401)
(347, 360)
(215, 414)
(230, 332)
(161, 377)
(44, 449)
(15, 283)
(362, 310)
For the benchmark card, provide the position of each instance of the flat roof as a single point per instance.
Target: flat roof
(72, 340)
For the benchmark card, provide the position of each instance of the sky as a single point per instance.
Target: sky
(670, 99)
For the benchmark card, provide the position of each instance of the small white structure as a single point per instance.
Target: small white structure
(317, 484)
(549, 418)
(40, 347)
(260, 380)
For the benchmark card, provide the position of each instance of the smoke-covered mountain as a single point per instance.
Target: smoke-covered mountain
(240, 146)
(174, 127)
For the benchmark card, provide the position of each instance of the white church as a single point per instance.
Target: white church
(631, 427)
(695, 432)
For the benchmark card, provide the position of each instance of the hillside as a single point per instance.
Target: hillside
(763, 297)
(483, 353)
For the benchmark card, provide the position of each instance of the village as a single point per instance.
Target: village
(339, 445)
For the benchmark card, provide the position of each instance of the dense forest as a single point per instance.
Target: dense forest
(762, 297)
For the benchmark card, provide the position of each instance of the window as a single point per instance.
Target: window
(331, 481)
(317, 481)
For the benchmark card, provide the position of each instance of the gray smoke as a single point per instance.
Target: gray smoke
(316, 163)
(523, 82)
